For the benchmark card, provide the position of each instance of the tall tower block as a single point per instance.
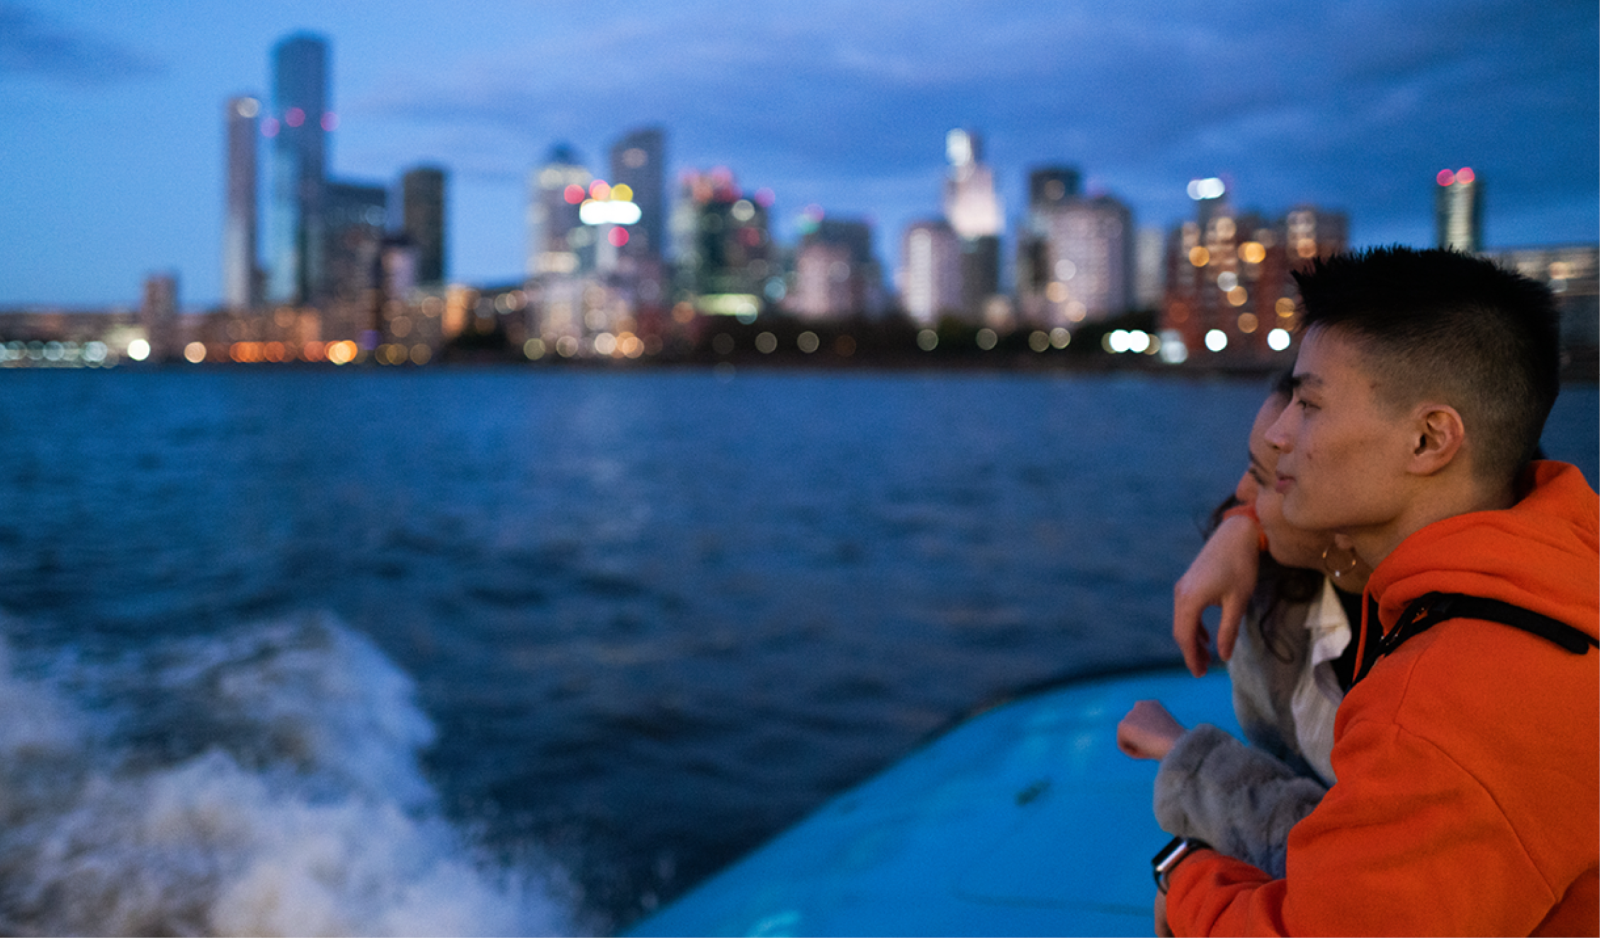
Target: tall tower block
(298, 126)
(239, 200)
(422, 209)
(1458, 210)
(638, 161)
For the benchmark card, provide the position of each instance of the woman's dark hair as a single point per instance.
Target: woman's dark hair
(1276, 584)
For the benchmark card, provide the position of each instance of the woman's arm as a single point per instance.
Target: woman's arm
(1235, 797)
(1212, 787)
(1222, 574)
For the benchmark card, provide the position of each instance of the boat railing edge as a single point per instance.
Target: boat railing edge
(1046, 685)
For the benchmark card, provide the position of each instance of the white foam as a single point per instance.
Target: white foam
(309, 814)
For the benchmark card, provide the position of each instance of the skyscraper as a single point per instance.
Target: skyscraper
(724, 248)
(239, 219)
(1052, 185)
(970, 203)
(1229, 282)
(973, 211)
(353, 217)
(930, 271)
(158, 313)
(1458, 210)
(1089, 260)
(835, 273)
(298, 127)
(422, 209)
(638, 161)
(1049, 188)
(1149, 267)
(556, 234)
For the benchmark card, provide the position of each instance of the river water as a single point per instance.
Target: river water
(532, 651)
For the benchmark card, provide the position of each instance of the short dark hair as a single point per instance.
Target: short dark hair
(1438, 322)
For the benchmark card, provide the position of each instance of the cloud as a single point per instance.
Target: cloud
(35, 46)
(1345, 105)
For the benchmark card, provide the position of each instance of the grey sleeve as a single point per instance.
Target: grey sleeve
(1263, 682)
(1235, 797)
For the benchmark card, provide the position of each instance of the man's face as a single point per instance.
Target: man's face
(1343, 452)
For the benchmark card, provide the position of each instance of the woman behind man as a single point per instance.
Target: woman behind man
(1290, 666)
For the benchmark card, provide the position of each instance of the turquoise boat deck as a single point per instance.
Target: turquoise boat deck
(1024, 819)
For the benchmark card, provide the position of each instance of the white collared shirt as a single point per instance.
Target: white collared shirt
(1317, 694)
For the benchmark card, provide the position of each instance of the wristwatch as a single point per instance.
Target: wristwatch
(1168, 858)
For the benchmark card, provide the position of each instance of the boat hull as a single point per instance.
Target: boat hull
(1022, 820)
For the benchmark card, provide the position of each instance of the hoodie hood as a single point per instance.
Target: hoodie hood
(1542, 554)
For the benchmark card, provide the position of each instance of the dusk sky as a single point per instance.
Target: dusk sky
(111, 163)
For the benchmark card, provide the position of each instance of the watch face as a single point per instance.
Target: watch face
(1170, 856)
(1165, 858)
(1165, 854)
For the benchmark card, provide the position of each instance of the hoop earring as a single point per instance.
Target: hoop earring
(1340, 572)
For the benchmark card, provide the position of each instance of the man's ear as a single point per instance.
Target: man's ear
(1439, 435)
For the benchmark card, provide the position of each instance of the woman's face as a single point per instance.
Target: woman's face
(1289, 545)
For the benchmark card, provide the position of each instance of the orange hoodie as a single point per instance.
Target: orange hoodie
(1468, 759)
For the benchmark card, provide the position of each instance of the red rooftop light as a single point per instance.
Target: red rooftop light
(1446, 177)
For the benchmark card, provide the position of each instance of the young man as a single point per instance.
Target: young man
(1468, 750)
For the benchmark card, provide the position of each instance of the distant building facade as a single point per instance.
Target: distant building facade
(298, 127)
(240, 279)
(1080, 262)
(557, 239)
(973, 212)
(726, 261)
(1229, 281)
(158, 314)
(971, 205)
(1053, 185)
(1048, 187)
(422, 222)
(1149, 268)
(354, 217)
(638, 161)
(930, 274)
(1458, 210)
(835, 273)
(1572, 272)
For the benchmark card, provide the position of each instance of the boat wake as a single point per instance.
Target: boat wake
(263, 782)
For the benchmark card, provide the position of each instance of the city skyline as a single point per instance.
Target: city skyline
(122, 171)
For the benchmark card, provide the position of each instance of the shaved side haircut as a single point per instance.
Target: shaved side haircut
(1444, 325)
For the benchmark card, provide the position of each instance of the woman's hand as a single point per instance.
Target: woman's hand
(1222, 574)
(1148, 731)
